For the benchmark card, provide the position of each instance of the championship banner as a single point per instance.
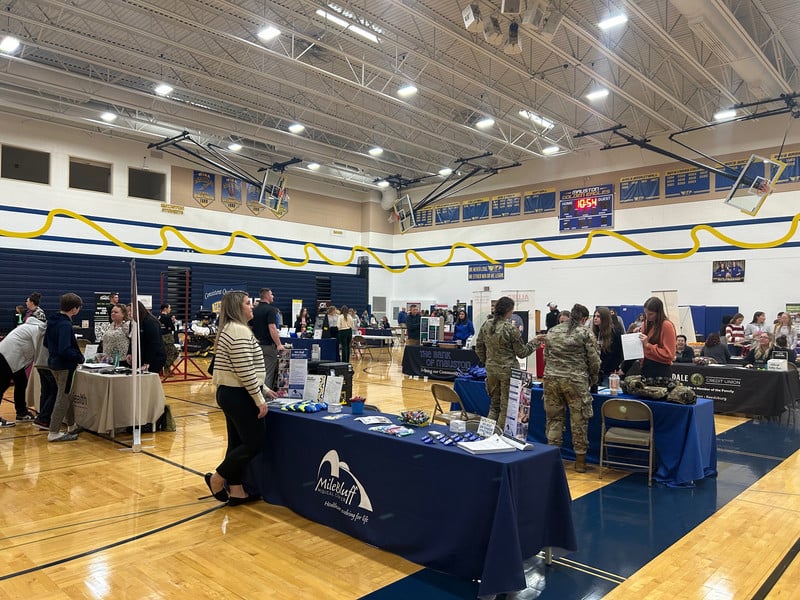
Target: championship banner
(475, 210)
(640, 187)
(231, 192)
(686, 182)
(253, 194)
(203, 187)
(537, 201)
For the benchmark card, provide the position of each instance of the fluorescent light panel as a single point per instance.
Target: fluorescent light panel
(614, 21)
(550, 150)
(445, 171)
(376, 151)
(536, 119)
(407, 90)
(313, 166)
(597, 94)
(383, 183)
(724, 115)
(234, 146)
(297, 128)
(163, 89)
(9, 44)
(108, 117)
(268, 33)
(346, 25)
(485, 123)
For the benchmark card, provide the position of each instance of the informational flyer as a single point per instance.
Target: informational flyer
(519, 405)
(298, 370)
(632, 347)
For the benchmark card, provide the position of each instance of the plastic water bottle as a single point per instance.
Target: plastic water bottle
(613, 383)
(116, 359)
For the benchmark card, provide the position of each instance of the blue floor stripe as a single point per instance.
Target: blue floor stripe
(624, 525)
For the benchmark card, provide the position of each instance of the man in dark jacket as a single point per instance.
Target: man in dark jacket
(65, 356)
(551, 320)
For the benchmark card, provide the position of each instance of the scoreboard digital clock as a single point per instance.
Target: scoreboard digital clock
(586, 208)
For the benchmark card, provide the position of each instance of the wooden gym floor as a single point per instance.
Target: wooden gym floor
(91, 519)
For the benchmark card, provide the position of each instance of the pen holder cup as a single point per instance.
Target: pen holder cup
(357, 408)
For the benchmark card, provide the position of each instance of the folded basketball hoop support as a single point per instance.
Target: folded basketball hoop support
(185, 369)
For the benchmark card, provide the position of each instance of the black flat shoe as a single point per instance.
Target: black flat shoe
(234, 501)
(221, 495)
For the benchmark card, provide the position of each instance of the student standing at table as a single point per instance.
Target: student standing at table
(345, 334)
(463, 328)
(609, 341)
(413, 321)
(265, 328)
(65, 356)
(783, 327)
(17, 351)
(241, 394)
(657, 334)
(734, 334)
(754, 329)
(571, 367)
(498, 345)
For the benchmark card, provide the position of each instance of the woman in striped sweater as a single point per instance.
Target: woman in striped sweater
(241, 394)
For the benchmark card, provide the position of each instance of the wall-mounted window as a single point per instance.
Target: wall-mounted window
(89, 175)
(24, 164)
(147, 184)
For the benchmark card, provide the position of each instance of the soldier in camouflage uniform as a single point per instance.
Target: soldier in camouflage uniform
(571, 365)
(498, 344)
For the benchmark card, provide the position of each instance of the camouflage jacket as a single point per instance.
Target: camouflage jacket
(498, 345)
(571, 354)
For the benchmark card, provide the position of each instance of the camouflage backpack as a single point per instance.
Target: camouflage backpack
(682, 395)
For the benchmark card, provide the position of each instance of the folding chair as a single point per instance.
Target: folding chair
(360, 346)
(445, 395)
(636, 435)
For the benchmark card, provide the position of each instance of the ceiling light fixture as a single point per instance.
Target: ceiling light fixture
(724, 115)
(313, 166)
(536, 119)
(297, 128)
(9, 44)
(611, 22)
(108, 117)
(445, 171)
(597, 94)
(163, 89)
(383, 184)
(407, 90)
(550, 150)
(484, 123)
(234, 146)
(346, 25)
(376, 151)
(268, 33)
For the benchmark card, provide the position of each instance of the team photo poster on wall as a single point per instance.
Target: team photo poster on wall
(727, 270)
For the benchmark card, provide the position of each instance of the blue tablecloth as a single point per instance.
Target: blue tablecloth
(685, 435)
(476, 517)
(327, 346)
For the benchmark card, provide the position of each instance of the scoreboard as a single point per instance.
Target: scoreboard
(586, 208)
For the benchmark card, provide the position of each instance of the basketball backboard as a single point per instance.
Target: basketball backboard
(404, 211)
(756, 181)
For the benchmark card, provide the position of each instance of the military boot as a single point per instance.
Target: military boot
(580, 463)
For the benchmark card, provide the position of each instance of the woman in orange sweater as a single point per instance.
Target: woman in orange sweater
(658, 338)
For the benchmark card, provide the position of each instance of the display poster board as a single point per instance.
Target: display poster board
(519, 405)
(102, 314)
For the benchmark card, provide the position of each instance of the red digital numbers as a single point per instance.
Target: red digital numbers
(585, 203)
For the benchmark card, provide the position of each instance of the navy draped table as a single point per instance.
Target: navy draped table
(473, 516)
(685, 435)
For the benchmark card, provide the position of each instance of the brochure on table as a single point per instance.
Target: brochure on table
(314, 390)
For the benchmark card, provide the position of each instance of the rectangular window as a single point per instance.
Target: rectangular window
(147, 184)
(88, 175)
(25, 165)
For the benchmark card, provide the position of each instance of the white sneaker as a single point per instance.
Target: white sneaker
(4, 423)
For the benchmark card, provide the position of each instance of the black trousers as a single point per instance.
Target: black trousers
(20, 380)
(245, 432)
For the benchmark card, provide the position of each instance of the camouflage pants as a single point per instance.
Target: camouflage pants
(558, 395)
(170, 349)
(497, 388)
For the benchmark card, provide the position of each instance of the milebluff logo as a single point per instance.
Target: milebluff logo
(344, 489)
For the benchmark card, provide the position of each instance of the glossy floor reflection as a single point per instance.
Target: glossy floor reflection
(623, 526)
